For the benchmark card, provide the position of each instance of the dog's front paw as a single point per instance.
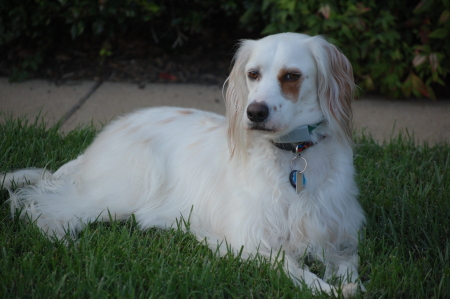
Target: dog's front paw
(349, 290)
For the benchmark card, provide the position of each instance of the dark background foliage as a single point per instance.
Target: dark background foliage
(399, 48)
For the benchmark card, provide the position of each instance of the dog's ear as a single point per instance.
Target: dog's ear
(236, 99)
(335, 87)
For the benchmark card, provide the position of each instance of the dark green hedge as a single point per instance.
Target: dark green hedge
(398, 47)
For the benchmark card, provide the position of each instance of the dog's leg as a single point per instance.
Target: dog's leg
(347, 272)
(302, 275)
(345, 269)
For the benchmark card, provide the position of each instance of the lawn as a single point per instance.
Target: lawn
(405, 246)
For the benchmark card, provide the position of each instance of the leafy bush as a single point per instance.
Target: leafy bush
(32, 29)
(39, 25)
(397, 47)
(35, 19)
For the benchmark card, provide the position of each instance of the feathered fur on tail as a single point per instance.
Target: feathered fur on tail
(53, 202)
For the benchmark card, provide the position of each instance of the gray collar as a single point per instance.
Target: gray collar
(299, 136)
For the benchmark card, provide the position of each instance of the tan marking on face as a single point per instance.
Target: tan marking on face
(185, 112)
(290, 87)
(166, 121)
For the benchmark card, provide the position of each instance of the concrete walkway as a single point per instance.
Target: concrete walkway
(82, 102)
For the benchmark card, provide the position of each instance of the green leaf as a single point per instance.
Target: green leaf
(419, 86)
(73, 30)
(98, 26)
(266, 4)
(271, 28)
(440, 33)
(290, 5)
(407, 87)
(80, 27)
(431, 93)
(347, 31)
(444, 17)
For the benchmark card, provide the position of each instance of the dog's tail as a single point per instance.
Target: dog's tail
(53, 201)
(20, 178)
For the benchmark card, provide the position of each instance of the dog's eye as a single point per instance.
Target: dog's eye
(253, 75)
(292, 76)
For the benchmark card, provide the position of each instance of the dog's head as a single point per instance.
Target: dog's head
(288, 80)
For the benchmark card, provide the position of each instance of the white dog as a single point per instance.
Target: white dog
(275, 174)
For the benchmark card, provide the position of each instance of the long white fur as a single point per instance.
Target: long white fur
(161, 164)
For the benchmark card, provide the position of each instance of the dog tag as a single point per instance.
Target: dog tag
(296, 177)
(297, 180)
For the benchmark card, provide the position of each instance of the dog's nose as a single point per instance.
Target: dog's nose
(257, 112)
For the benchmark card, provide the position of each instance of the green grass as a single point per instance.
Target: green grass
(405, 251)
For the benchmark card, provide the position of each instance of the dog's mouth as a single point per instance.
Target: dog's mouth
(261, 127)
